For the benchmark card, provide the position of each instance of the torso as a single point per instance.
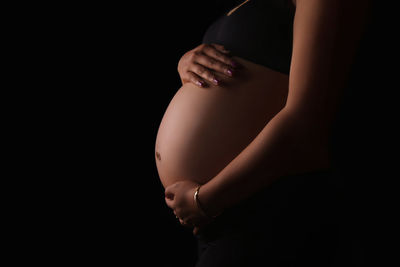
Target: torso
(203, 129)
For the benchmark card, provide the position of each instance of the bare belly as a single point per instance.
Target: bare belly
(203, 129)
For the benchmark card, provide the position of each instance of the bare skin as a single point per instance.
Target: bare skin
(326, 34)
(203, 129)
(202, 65)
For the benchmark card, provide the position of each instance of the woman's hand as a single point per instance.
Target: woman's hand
(180, 197)
(206, 63)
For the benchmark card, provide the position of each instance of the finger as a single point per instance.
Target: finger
(169, 195)
(205, 73)
(195, 79)
(212, 52)
(170, 191)
(220, 48)
(170, 202)
(215, 65)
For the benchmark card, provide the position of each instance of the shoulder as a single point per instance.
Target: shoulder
(331, 3)
(332, 13)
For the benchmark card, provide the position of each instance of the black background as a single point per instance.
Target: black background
(119, 72)
(126, 57)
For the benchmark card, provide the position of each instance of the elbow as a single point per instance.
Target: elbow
(307, 142)
(310, 128)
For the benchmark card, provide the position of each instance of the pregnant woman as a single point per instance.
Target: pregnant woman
(243, 149)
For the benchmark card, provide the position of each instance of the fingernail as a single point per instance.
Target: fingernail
(215, 81)
(229, 72)
(199, 83)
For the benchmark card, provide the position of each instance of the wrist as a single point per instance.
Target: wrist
(198, 204)
(209, 205)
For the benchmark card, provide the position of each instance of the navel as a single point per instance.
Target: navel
(158, 155)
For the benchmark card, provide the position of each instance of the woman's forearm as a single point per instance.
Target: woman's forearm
(289, 143)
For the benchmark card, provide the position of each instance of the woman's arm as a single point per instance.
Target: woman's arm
(326, 34)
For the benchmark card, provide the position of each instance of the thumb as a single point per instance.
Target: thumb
(169, 196)
(169, 202)
(170, 192)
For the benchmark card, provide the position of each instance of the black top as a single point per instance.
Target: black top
(259, 30)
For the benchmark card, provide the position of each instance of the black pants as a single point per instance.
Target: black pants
(301, 220)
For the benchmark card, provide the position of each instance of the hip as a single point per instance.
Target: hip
(296, 203)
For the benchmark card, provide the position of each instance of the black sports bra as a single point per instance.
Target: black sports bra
(258, 30)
